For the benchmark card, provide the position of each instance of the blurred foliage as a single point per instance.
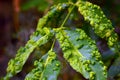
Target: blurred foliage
(59, 1)
(41, 5)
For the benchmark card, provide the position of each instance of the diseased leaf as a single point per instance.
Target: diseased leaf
(102, 26)
(96, 17)
(82, 54)
(15, 65)
(53, 17)
(47, 68)
(79, 49)
(40, 37)
(106, 53)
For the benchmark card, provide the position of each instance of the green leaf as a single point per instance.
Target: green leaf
(94, 14)
(53, 17)
(82, 54)
(102, 26)
(47, 68)
(38, 38)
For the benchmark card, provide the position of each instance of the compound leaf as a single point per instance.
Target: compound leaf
(39, 37)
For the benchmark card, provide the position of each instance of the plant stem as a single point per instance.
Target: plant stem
(71, 8)
(53, 44)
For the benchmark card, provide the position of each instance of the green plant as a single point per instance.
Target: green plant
(79, 49)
